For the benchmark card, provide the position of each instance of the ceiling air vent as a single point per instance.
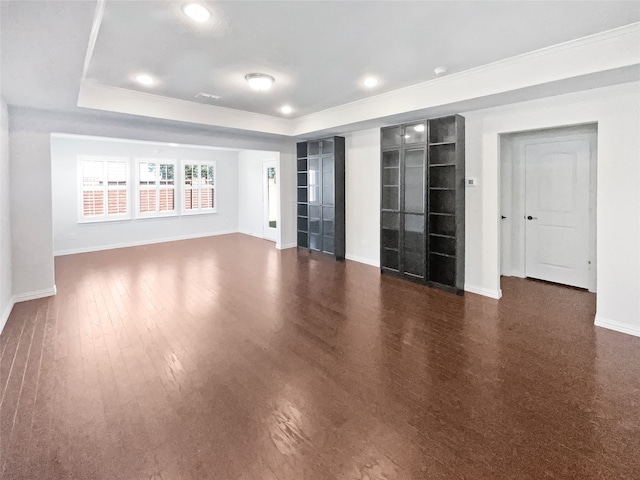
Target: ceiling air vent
(208, 97)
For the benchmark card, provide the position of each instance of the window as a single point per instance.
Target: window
(156, 188)
(160, 188)
(199, 192)
(104, 189)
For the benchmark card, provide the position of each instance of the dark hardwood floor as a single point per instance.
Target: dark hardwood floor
(223, 358)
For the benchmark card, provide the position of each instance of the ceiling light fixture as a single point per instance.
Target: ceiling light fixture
(370, 82)
(286, 109)
(259, 81)
(440, 70)
(196, 12)
(145, 79)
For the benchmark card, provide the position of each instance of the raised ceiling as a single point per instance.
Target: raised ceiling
(319, 52)
(64, 55)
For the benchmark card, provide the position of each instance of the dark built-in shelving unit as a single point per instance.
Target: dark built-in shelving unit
(321, 196)
(422, 202)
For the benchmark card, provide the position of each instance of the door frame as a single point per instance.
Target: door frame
(268, 233)
(512, 194)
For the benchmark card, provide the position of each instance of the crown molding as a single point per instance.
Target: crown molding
(601, 52)
(115, 99)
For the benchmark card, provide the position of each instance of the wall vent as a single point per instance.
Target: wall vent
(208, 97)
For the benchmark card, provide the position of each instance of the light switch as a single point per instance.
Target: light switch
(472, 182)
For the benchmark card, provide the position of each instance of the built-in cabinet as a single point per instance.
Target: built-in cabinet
(321, 195)
(422, 202)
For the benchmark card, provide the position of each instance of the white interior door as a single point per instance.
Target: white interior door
(557, 211)
(270, 201)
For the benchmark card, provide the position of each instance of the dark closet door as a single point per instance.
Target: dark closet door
(321, 196)
(315, 202)
(328, 203)
(413, 221)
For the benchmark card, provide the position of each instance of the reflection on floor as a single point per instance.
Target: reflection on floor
(224, 358)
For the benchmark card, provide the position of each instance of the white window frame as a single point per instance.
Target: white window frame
(105, 217)
(184, 188)
(158, 187)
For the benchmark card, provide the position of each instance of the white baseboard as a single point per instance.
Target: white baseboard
(486, 292)
(6, 313)
(367, 261)
(617, 326)
(251, 234)
(284, 246)
(23, 297)
(139, 243)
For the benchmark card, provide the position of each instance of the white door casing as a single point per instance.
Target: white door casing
(557, 211)
(270, 200)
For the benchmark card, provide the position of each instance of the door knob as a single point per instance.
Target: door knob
(531, 218)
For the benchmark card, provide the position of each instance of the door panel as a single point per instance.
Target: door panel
(414, 245)
(390, 240)
(557, 211)
(414, 180)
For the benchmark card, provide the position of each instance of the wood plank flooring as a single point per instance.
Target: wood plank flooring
(223, 358)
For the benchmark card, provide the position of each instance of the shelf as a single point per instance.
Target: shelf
(301, 150)
(429, 248)
(442, 254)
(442, 130)
(440, 235)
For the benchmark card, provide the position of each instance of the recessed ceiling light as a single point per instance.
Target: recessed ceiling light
(173, 144)
(286, 109)
(440, 70)
(196, 12)
(259, 81)
(419, 127)
(145, 79)
(370, 82)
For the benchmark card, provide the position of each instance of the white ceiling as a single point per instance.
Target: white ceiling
(317, 51)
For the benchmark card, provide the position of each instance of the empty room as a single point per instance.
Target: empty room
(299, 240)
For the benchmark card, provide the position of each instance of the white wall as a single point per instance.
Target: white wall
(616, 110)
(250, 194)
(29, 142)
(69, 236)
(6, 291)
(363, 196)
(31, 215)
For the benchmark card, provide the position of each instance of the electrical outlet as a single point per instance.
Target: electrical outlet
(365, 243)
